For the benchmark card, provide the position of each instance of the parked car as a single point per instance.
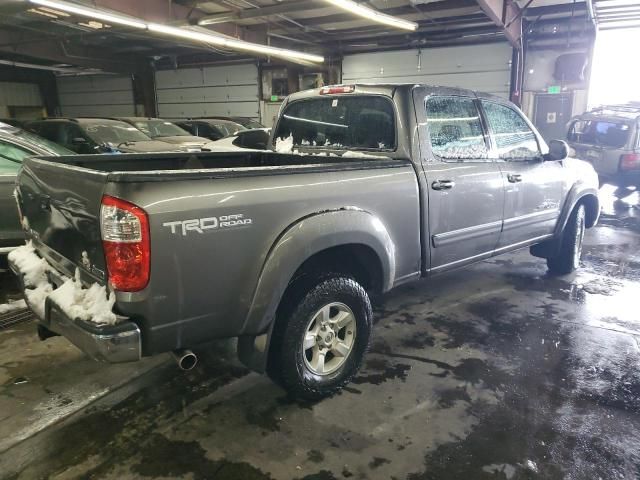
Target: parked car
(16, 145)
(254, 139)
(97, 135)
(166, 131)
(210, 128)
(283, 250)
(246, 122)
(609, 138)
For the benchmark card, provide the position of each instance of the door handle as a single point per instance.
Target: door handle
(443, 185)
(514, 177)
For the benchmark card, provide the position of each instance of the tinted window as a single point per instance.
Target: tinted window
(11, 157)
(362, 122)
(43, 142)
(599, 132)
(514, 138)
(455, 128)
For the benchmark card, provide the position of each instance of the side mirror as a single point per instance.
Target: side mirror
(558, 150)
(79, 141)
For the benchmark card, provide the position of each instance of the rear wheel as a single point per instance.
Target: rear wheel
(568, 258)
(322, 342)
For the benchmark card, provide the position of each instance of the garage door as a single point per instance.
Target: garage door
(478, 67)
(96, 96)
(20, 100)
(230, 90)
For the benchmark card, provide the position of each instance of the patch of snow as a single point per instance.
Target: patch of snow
(284, 145)
(11, 306)
(30, 265)
(94, 304)
(531, 465)
(355, 154)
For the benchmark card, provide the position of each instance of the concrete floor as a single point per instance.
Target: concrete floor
(498, 371)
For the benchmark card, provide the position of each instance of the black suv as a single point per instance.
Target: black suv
(97, 135)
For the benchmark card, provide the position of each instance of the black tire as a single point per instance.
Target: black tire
(288, 366)
(568, 258)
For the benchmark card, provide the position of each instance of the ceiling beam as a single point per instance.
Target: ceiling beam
(505, 14)
(58, 50)
(279, 9)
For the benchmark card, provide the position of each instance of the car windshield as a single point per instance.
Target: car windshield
(43, 142)
(605, 133)
(160, 128)
(113, 132)
(362, 122)
(226, 127)
(252, 124)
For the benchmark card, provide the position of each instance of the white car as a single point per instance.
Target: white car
(254, 139)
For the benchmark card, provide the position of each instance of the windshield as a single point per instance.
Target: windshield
(252, 124)
(44, 143)
(160, 128)
(362, 122)
(605, 133)
(228, 128)
(113, 132)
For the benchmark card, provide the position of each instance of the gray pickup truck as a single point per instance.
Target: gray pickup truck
(368, 187)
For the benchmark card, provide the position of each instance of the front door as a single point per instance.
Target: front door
(465, 187)
(533, 187)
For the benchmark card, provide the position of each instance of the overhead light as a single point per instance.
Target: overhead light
(373, 15)
(92, 13)
(184, 33)
(232, 43)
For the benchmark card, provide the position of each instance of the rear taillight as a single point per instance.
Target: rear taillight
(125, 240)
(630, 161)
(337, 89)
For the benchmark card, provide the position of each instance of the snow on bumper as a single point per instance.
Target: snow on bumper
(83, 316)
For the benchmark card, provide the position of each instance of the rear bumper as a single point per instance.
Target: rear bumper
(621, 179)
(107, 343)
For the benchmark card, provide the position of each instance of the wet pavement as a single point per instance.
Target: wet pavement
(498, 371)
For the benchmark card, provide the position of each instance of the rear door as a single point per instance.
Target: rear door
(533, 187)
(465, 190)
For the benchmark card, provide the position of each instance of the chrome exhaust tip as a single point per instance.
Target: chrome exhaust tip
(186, 359)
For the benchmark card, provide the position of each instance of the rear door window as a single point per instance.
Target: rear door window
(455, 128)
(363, 122)
(513, 136)
(604, 133)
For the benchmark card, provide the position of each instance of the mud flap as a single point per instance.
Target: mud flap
(546, 249)
(253, 351)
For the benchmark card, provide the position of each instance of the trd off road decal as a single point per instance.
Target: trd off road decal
(202, 225)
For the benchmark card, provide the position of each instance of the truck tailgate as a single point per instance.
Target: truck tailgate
(60, 204)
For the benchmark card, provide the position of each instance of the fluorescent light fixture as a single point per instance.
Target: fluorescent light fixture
(374, 15)
(206, 37)
(232, 43)
(91, 13)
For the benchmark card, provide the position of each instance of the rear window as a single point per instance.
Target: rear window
(364, 122)
(599, 132)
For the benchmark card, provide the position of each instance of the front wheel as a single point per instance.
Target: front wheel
(324, 339)
(568, 258)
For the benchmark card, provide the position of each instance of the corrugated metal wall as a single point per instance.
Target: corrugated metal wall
(19, 95)
(96, 95)
(485, 67)
(230, 90)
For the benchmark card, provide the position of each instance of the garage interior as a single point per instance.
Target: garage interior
(496, 371)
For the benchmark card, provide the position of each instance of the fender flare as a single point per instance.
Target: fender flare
(299, 242)
(549, 248)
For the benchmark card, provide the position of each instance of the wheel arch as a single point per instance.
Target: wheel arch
(349, 241)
